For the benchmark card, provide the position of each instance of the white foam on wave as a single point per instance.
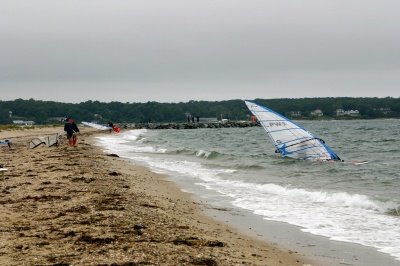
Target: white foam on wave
(125, 137)
(128, 142)
(129, 146)
(203, 153)
(200, 153)
(140, 141)
(183, 168)
(134, 134)
(340, 216)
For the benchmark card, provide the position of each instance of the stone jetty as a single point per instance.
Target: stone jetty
(195, 125)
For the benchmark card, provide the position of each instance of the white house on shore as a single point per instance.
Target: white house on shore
(317, 112)
(295, 113)
(383, 110)
(341, 112)
(23, 123)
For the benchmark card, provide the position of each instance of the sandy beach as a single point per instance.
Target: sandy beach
(66, 205)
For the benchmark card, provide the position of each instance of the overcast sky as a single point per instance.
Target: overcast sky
(171, 51)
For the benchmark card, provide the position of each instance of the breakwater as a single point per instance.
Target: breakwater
(191, 125)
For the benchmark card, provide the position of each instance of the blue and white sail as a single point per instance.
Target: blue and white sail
(290, 139)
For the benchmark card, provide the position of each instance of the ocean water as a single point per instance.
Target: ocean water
(345, 202)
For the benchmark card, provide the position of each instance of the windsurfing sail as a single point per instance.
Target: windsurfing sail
(49, 140)
(6, 142)
(96, 126)
(111, 127)
(290, 139)
(36, 142)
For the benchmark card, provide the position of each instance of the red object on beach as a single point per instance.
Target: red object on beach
(74, 140)
(117, 129)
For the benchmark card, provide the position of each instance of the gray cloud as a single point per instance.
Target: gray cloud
(212, 50)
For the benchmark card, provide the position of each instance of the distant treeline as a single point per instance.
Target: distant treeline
(46, 112)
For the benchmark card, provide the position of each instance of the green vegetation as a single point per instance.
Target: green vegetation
(9, 127)
(49, 112)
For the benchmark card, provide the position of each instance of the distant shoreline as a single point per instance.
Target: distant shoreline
(48, 112)
(233, 124)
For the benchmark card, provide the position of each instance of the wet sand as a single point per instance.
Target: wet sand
(66, 205)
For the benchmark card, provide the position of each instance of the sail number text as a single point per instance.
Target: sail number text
(277, 124)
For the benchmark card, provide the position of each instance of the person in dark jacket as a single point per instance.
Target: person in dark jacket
(71, 128)
(111, 126)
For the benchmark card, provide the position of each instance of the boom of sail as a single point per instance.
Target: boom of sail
(290, 139)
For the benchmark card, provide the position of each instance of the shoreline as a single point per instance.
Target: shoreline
(320, 249)
(78, 206)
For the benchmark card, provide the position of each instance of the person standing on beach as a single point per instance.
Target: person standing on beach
(111, 126)
(71, 128)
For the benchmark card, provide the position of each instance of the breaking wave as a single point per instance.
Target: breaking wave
(207, 154)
